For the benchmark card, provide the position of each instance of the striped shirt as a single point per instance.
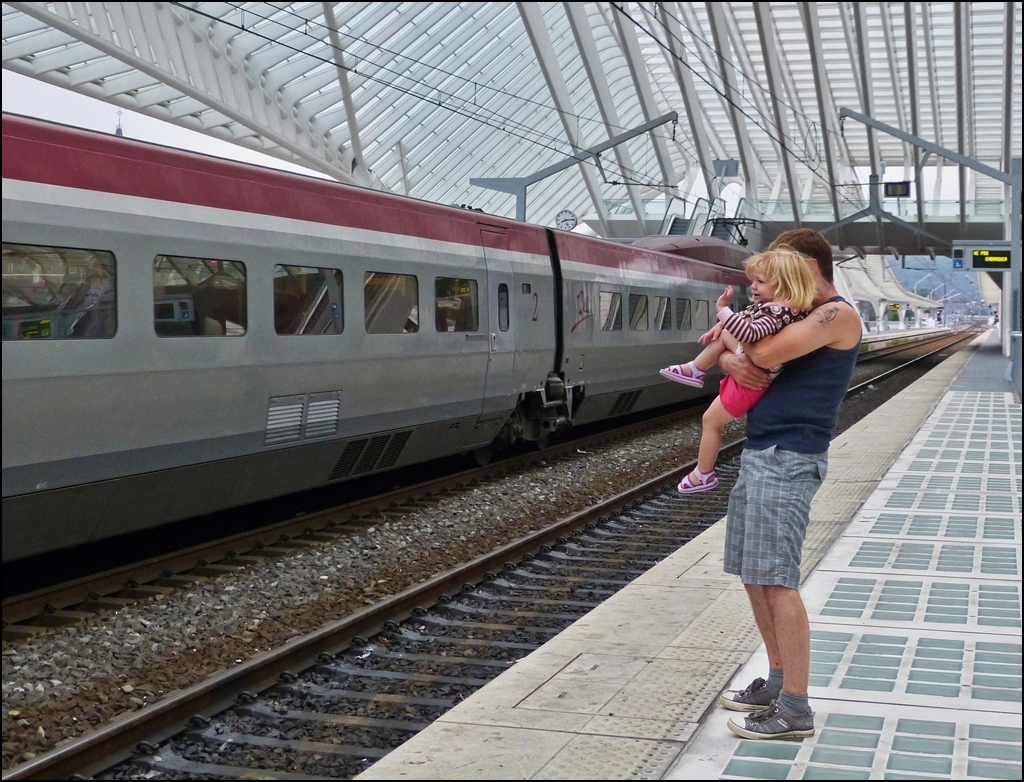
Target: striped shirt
(759, 320)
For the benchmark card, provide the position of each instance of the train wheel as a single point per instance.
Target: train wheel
(482, 456)
(542, 442)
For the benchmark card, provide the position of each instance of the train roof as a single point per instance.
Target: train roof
(50, 153)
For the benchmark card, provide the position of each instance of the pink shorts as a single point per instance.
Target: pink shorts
(736, 399)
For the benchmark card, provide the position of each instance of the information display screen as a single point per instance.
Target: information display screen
(990, 259)
(897, 189)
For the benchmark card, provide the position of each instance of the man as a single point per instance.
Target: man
(782, 466)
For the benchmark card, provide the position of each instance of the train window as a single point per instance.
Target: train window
(456, 306)
(391, 303)
(662, 313)
(58, 293)
(198, 297)
(503, 307)
(638, 320)
(684, 321)
(307, 300)
(611, 311)
(700, 315)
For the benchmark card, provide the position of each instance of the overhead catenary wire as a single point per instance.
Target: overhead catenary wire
(491, 119)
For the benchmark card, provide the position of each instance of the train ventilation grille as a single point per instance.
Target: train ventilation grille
(291, 418)
(284, 419)
(374, 453)
(626, 402)
(322, 415)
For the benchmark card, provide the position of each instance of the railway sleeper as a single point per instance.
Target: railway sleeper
(305, 690)
(409, 636)
(381, 652)
(214, 739)
(341, 669)
(474, 610)
(346, 720)
(437, 621)
(610, 559)
(583, 605)
(171, 763)
(570, 579)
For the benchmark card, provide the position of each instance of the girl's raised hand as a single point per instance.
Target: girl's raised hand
(725, 298)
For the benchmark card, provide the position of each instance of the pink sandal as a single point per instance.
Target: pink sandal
(688, 485)
(684, 373)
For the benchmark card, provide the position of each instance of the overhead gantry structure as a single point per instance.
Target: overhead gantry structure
(420, 98)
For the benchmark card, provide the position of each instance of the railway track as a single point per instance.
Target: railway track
(375, 677)
(68, 603)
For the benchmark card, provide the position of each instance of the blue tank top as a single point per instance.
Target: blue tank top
(798, 411)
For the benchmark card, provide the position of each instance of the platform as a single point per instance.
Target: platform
(912, 581)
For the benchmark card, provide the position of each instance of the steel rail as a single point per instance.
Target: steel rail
(115, 741)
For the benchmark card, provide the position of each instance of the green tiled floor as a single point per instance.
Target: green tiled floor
(850, 746)
(956, 668)
(936, 602)
(941, 558)
(939, 526)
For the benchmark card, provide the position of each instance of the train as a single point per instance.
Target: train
(184, 334)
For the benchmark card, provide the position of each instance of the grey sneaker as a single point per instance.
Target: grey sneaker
(773, 723)
(756, 697)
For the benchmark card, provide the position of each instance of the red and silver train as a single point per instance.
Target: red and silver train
(183, 334)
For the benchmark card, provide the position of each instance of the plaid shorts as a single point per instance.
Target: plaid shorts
(769, 508)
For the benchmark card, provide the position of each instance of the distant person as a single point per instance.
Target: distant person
(783, 288)
(783, 464)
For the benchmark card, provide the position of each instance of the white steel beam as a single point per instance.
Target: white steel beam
(809, 17)
(533, 20)
(894, 75)
(641, 82)
(669, 36)
(346, 91)
(192, 55)
(580, 26)
(867, 93)
(960, 44)
(1008, 49)
(765, 25)
(915, 108)
(933, 89)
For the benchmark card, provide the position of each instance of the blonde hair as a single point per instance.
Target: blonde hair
(788, 273)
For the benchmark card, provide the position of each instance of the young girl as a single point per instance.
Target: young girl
(783, 287)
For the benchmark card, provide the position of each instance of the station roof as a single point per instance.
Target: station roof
(418, 97)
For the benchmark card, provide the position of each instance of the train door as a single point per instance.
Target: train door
(500, 391)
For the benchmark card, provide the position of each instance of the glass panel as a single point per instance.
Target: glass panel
(637, 312)
(662, 313)
(198, 297)
(611, 311)
(58, 293)
(700, 315)
(307, 300)
(455, 304)
(503, 307)
(391, 303)
(683, 319)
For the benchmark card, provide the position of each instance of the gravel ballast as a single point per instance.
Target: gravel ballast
(66, 681)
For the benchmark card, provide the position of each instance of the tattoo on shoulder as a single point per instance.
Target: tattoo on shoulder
(826, 316)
